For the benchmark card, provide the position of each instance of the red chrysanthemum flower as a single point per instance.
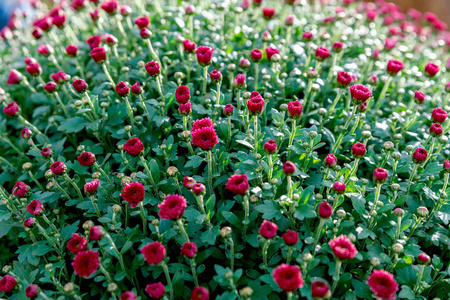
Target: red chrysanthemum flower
(289, 168)
(420, 155)
(204, 55)
(142, 22)
(122, 89)
(189, 249)
(7, 284)
(394, 66)
(32, 291)
(256, 55)
(322, 53)
(380, 175)
(35, 207)
(228, 110)
(204, 138)
(98, 54)
(154, 253)
(270, 146)
(133, 193)
(20, 189)
(343, 248)
(155, 290)
(129, 295)
(325, 210)
(58, 168)
(189, 46)
(96, 233)
(288, 278)
(268, 229)
(202, 123)
(271, 52)
(330, 160)
(94, 41)
(339, 187)
(431, 69)
(439, 115)
(172, 208)
(91, 188)
(344, 79)
(360, 94)
(255, 105)
(136, 89)
(295, 109)
(77, 243)
(86, 263)
(382, 284)
(134, 147)
(320, 290)
(86, 159)
(12, 109)
(189, 182)
(237, 184)
(80, 85)
(290, 237)
(216, 76)
(358, 150)
(182, 94)
(200, 293)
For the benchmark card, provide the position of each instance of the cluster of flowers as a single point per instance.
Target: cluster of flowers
(329, 91)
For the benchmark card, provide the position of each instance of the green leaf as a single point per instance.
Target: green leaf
(73, 125)
(359, 203)
(305, 211)
(194, 161)
(269, 209)
(210, 235)
(406, 293)
(67, 232)
(245, 143)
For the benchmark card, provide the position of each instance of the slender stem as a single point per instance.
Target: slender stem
(289, 186)
(106, 273)
(166, 272)
(183, 230)
(289, 255)
(247, 214)
(413, 173)
(74, 185)
(231, 253)
(58, 98)
(61, 189)
(35, 181)
(113, 245)
(194, 272)
(49, 223)
(100, 169)
(149, 173)
(255, 123)
(144, 217)
(333, 105)
(336, 275)
(317, 235)
(25, 122)
(256, 75)
(130, 111)
(91, 105)
(291, 138)
(264, 253)
(210, 172)
(419, 277)
(105, 70)
(205, 81)
(153, 53)
(383, 93)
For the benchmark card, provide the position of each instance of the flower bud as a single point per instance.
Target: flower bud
(69, 288)
(246, 292)
(225, 232)
(375, 262)
(422, 211)
(397, 248)
(341, 213)
(27, 166)
(307, 257)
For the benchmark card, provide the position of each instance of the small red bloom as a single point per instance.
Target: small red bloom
(290, 237)
(153, 69)
(142, 22)
(255, 105)
(436, 130)
(125, 10)
(155, 290)
(60, 77)
(268, 229)
(172, 208)
(86, 263)
(77, 243)
(330, 161)
(237, 184)
(325, 210)
(337, 46)
(134, 147)
(185, 109)
(35, 207)
(46, 152)
(26, 133)
(50, 87)
(86, 159)
(439, 115)
(204, 138)
(189, 250)
(95, 15)
(136, 89)
(270, 146)
(339, 187)
(271, 52)
(96, 233)
(295, 109)
(80, 85)
(133, 193)
(382, 284)
(228, 110)
(344, 79)
(189, 46)
(7, 284)
(359, 94)
(182, 94)
(431, 69)
(419, 97)
(20, 189)
(34, 69)
(423, 259)
(239, 81)
(320, 290)
(268, 13)
(202, 123)
(90, 188)
(12, 109)
(190, 10)
(129, 295)
(216, 76)
(145, 33)
(45, 50)
(288, 278)
(343, 248)
(358, 150)
(58, 168)
(307, 36)
(289, 168)
(394, 66)
(189, 182)
(266, 36)
(256, 55)
(200, 293)
(15, 77)
(122, 89)
(380, 175)
(32, 291)
(446, 166)
(420, 155)
(154, 253)
(289, 21)
(109, 6)
(199, 189)
(37, 33)
(204, 55)
(322, 53)
(98, 54)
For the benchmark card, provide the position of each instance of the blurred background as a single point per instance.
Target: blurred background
(439, 7)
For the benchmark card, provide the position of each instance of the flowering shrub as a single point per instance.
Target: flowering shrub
(262, 149)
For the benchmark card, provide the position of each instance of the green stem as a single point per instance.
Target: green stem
(28, 124)
(291, 138)
(247, 214)
(169, 282)
(105, 70)
(256, 75)
(413, 173)
(183, 230)
(255, 123)
(149, 173)
(74, 185)
(264, 253)
(130, 110)
(317, 235)
(210, 173)
(94, 203)
(336, 275)
(383, 93)
(205, 81)
(419, 277)
(35, 181)
(144, 217)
